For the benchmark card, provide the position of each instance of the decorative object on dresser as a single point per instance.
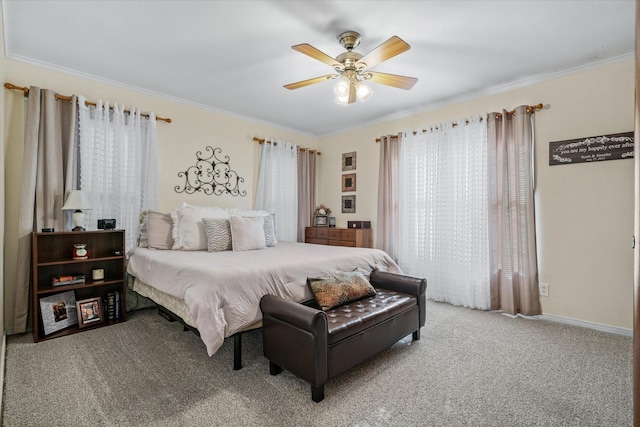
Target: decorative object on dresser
(77, 202)
(349, 161)
(349, 182)
(358, 224)
(359, 238)
(349, 204)
(211, 176)
(63, 283)
(321, 217)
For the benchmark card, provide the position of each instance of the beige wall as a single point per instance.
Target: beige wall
(192, 129)
(2, 205)
(584, 211)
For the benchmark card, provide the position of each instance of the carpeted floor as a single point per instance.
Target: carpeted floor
(471, 368)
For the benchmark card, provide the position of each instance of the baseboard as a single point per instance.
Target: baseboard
(585, 324)
(3, 353)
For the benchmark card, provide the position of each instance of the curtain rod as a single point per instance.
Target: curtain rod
(262, 141)
(25, 90)
(530, 109)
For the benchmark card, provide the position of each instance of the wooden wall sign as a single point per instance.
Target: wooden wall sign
(592, 149)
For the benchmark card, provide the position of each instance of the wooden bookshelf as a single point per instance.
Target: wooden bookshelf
(52, 256)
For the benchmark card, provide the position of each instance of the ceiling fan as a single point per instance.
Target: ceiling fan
(353, 69)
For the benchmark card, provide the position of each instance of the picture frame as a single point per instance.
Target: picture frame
(349, 204)
(89, 312)
(349, 161)
(349, 182)
(320, 220)
(58, 312)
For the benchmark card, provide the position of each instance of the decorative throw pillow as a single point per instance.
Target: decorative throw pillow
(143, 241)
(218, 234)
(247, 234)
(159, 230)
(270, 230)
(339, 289)
(188, 229)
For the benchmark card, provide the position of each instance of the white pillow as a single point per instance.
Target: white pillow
(188, 230)
(269, 222)
(218, 234)
(247, 234)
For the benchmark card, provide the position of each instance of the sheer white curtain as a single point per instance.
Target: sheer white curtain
(277, 190)
(118, 165)
(444, 211)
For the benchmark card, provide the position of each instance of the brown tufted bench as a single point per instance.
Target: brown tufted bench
(317, 346)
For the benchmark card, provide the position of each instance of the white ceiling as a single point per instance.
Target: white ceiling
(235, 56)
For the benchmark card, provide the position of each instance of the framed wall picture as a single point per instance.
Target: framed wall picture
(58, 312)
(349, 182)
(349, 204)
(89, 312)
(349, 161)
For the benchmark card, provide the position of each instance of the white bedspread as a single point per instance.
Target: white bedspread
(223, 289)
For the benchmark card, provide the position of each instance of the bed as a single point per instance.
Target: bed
(218, 293)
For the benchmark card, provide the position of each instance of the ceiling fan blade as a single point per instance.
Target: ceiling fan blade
(308, 82)
(392, 47)
(401, 82)
(352, 93)
(311, 51)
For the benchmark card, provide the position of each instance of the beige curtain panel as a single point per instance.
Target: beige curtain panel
(388, 221)
(512, 238)
(49, 173)
(306, 190)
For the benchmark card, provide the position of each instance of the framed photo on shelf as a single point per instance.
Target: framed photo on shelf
(349, 182)
(320, 220)
(349, 204)
(58, 312)
(89, 312)
(349, 161)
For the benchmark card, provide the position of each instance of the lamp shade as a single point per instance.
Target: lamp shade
(77, 200)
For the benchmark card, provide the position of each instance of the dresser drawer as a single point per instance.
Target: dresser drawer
(335, 234)
(317, 241)
(309, 232)
(322, 233)
(350, 243)
(349, 235)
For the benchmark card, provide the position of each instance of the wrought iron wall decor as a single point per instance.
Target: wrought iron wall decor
(211, 176)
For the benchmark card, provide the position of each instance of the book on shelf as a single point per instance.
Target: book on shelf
(112, 305)
(68, 280)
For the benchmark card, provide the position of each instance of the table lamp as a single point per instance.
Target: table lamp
(77, 202)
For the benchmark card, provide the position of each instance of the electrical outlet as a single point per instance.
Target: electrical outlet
(544, 289)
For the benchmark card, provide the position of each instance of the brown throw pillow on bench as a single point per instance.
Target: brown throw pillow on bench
(340, 288)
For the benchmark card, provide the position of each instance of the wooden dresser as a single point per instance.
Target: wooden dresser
(355, 237)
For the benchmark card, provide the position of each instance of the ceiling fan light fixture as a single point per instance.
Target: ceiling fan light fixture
(342, 88)
(363, 91)
(342, 100)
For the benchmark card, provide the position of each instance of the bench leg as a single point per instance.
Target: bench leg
(274, 369)
(317, 393)
(416, 335)
(237, 351)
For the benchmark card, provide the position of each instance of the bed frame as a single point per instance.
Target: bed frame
(237, 337)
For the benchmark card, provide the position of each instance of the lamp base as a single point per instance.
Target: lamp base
(79, 229)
